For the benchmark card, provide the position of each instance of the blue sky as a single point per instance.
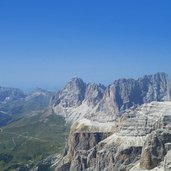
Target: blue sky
(46, 43)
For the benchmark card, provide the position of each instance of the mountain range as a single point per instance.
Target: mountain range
(125, 126)
(95, 101)
(14, 103)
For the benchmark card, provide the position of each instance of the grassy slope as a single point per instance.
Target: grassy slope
(29, 140)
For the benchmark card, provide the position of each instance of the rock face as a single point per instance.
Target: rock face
(137, 140)
(126, 93)
(167, 161)
(94, 93)
(73, 94)
(78, 99)
(155, 148)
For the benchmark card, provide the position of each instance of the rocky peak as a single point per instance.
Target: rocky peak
(154, 87)
(126, 93)
(155, 148)
(76, 84)
(72, 95)
(95, 101)
(94, 93)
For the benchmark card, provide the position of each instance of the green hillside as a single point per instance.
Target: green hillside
(30, 140)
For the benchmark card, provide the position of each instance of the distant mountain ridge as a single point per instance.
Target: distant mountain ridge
(14, 103)
(78, 99)
(7, 94)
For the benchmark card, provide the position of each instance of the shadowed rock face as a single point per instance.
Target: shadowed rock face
(79, 99)
(167, 161)
(86, 152)
(94, 93)
(155, 148)
(99, 156)
(87, 140)
(83, 142)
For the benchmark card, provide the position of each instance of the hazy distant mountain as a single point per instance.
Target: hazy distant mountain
(15, 103)
(10, 94)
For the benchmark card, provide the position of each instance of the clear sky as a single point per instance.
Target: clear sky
(44, 43)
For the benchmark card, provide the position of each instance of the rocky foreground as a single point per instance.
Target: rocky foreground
(125, 126)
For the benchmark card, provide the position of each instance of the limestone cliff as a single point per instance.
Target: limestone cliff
(138, 140)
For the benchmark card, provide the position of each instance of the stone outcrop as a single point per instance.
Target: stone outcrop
(167, 161)
(155, 148)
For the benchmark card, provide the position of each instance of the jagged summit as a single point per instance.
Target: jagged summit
(75, 78)
(75, 81)
(96, 101)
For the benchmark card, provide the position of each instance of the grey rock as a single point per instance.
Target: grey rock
(126, 93)
(94, 93)
(124, 144)
(154, 149)
(91, 155)
(81, 150)
(72, 95)
(167, 161)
